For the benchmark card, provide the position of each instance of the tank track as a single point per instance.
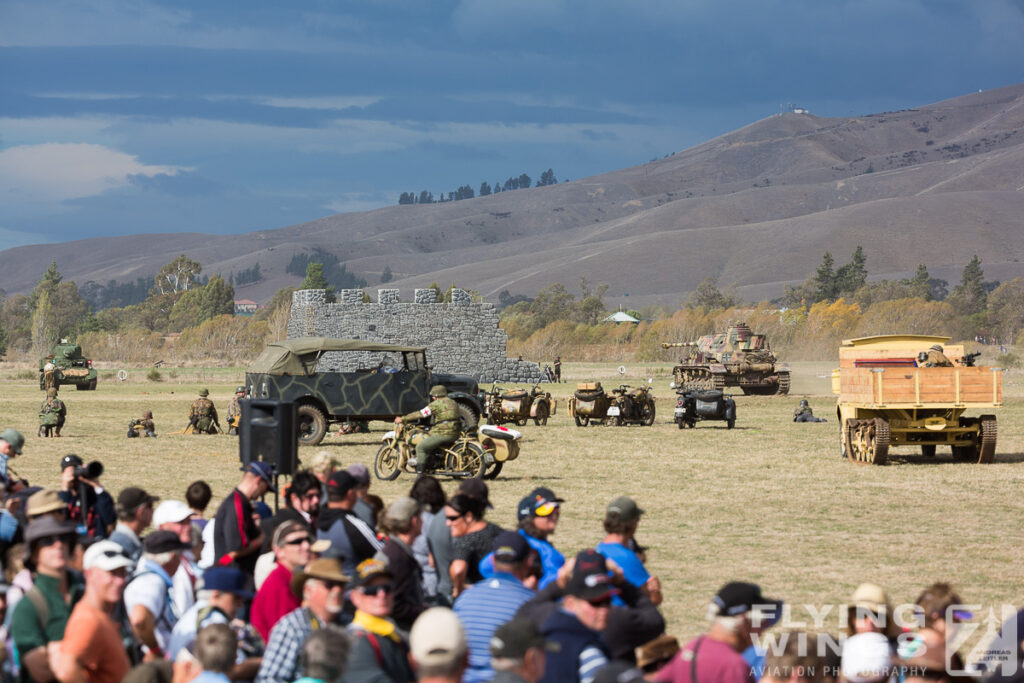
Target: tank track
(989, 432)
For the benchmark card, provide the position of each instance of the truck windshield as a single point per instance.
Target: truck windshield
(414, 361)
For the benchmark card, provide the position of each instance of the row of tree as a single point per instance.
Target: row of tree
(521, 182)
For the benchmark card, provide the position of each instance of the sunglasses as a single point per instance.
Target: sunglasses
(603, 602)
(311, 495)
(47, 541)
(376, 590)
(452, 518)
(299, 541)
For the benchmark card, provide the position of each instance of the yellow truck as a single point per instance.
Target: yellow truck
(888, 397)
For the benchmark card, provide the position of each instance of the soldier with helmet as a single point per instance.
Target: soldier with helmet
(804, 413)
(445, 429)
(202, 416)
(142, 426)
(935, 358)
(235, 411)
(52, 414)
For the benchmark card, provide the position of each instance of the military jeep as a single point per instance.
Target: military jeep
(352, 380)
(71, 367)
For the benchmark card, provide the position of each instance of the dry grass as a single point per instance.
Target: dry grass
(770, 501)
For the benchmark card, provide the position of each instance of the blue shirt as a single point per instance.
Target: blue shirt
(482, 608)
(632, 568)
(550, 560)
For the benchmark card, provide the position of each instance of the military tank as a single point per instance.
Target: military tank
(736, 358)
(71, 367)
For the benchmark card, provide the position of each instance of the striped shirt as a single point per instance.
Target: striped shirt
(482, 608)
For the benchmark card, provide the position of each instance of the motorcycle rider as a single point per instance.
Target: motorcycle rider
(445, 429)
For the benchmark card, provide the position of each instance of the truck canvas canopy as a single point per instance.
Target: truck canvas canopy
(299, 356)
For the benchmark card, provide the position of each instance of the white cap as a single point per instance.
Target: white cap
(171, 511)
(866, 657)
(437, 638)
(106, 555)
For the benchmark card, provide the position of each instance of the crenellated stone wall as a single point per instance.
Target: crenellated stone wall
(461, 337)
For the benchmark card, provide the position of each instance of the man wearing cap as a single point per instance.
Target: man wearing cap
(519, 652)
(438, 646)
(363, 508)
(99, 515)
(576, 626)
(291, 542)
(41, 615)
(379, 651)
(403, 524)
(218, 601)
(349, 536)
(235, 411)
(92, 648)
(134, 514)
(202, 415)
(147, 597)
(446, 425)
(538, 517)
(737, 613)
(486, 605)
(11, 443)
(236, 536)
(176, 516)
(321, 583)
(619, 545)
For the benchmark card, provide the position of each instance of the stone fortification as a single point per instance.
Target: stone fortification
(461, 337)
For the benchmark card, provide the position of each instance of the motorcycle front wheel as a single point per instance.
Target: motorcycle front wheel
(648, 413)
(385, 465)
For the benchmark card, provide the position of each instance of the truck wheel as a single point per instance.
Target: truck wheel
(467, 416)
(730, 423)
(92, 385)
(969, 453)
(312, 425)
(385, 465)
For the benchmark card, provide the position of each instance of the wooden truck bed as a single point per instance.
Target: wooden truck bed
(895, 387)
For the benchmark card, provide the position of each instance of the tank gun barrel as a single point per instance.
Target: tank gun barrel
(676, 345)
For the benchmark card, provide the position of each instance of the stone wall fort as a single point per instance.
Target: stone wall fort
(460, 337)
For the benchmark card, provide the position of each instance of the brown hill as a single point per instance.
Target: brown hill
(756, 207)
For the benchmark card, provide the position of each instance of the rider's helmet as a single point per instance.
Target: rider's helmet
(438, 391)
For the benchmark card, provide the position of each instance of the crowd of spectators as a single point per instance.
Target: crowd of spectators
(340, 586)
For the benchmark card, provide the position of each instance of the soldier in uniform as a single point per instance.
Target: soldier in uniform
(235, 411)
(446, 425)
(936, 358)
(203, 415)
(144, 425)
(52, 414)
(558, 369)
(49, 381)
(803, 413)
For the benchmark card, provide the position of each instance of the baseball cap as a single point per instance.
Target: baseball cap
(41, 502)
(171, 511)
(625, 508)
(512, 639)
(106, 555)
(360, 472)
(866, 657)
(227, 580)
(510, 548)
(402, 510)
(13, 437)
(263, 470)
(70, 460)
(342, 482)
(540, 503)
(590, 580)
(738, 597)
(437, 638)
(163, 542)
(133, 497)
(476, 488)
(371, 569)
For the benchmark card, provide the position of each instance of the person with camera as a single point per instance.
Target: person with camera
(88, 503)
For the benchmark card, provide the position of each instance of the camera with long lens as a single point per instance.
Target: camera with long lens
(92, 471)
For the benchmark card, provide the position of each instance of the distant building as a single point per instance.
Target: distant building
(801, 110)
(620, 317)
(246, 307)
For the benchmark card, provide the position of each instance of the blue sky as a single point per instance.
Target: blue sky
(135, 116)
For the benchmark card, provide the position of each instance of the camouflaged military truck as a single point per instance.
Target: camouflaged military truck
(351, 380)
(70, 367)
(737, 358)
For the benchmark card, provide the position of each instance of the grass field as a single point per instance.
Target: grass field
(770, 501)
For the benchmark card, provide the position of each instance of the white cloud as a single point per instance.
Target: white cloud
(56, 172)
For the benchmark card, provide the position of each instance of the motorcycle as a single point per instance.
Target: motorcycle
(518, 406)
(693, 406)
(632, 407)
(589, 402)
(480, 452)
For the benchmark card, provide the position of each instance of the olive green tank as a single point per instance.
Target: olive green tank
(737, 358)
(70, 367)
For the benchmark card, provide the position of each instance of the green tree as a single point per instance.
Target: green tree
(485, 189)
(554, 302)
(920, 283)
(315, 279)
(825, 279)
(51, 278)
(969, 297)
(199, 304)
(708, 297)
(590, 309)
(16, 321)
(43, 337)
(851, 276)
(178, 276)
(387, 275)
